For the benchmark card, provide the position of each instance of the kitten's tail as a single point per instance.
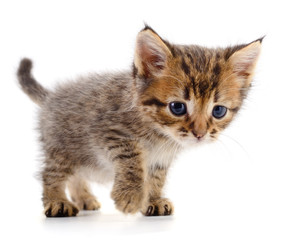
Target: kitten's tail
(28, 84)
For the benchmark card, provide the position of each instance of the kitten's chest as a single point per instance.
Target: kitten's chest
(161, 153)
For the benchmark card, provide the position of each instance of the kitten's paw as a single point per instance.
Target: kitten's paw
(60, 209)
(128, 201)
(158, 207)
(89, 203)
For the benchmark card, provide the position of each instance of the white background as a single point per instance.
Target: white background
(238, 188)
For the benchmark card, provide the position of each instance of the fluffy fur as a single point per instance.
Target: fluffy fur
(120, 128)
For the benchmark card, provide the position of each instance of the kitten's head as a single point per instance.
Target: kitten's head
(192, 93)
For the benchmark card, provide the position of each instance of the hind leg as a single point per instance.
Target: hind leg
(81, 194)
(55, 201)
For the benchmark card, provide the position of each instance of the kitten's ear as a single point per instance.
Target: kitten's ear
(244, 61)
(151, 53)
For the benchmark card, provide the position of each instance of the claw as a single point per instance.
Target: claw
(149, 211)
(156, 211)
(60, 211)
(48, 213)
(75, 211)
(166, 210)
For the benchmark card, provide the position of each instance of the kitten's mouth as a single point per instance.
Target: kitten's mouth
(192, 142)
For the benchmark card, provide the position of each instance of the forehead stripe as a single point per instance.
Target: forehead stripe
(217, 69)
(187, 93)
(185, 67)
(193, 84)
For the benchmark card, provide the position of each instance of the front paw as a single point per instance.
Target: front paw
(128, 200)
(158, 207)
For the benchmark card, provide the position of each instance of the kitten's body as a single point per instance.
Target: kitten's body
(96, 114)
(122, 128)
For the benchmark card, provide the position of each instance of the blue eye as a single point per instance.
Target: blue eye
(178, 108)
(219, 111)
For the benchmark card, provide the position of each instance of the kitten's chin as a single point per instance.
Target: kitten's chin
(194, 142)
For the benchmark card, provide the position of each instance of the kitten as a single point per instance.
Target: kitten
(128, 127)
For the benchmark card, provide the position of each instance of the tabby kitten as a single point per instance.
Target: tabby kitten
(128, 127)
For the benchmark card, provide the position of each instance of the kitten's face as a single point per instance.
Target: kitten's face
(191, 93)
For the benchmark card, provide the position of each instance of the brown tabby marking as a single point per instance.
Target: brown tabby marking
(121, 127)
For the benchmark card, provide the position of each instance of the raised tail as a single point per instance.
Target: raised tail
(28, 84)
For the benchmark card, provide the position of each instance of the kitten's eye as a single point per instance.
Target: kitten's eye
(178, 108)
(219, 111)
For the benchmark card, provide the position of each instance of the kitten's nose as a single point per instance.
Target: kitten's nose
(199, 134)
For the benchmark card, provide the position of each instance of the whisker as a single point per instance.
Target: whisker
(238, 144)
(219, 141)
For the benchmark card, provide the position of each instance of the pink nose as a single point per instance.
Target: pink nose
(198, 135)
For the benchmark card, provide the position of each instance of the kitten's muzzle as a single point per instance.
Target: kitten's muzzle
(199, 134)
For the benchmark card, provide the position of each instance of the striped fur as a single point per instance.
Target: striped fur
(119, 127)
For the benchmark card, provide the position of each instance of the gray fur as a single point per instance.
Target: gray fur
(28, 84)
(120, 128)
